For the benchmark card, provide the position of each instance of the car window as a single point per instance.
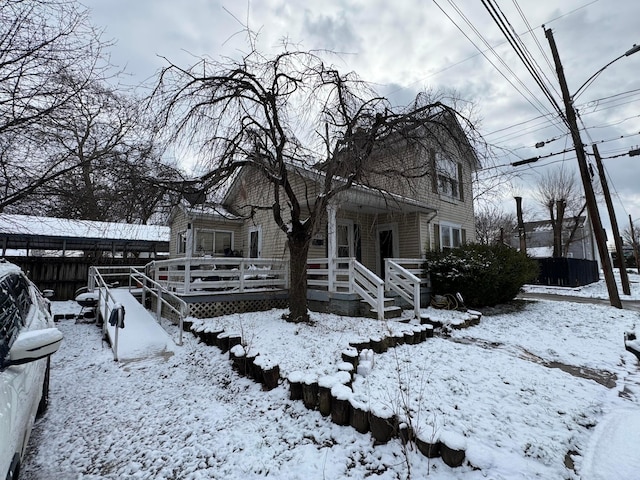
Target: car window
(12, 305)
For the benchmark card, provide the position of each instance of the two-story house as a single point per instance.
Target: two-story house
(418, 199)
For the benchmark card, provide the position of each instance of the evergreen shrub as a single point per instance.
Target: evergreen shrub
(485, 275)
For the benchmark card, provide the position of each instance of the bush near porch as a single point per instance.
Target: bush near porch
(485, 275)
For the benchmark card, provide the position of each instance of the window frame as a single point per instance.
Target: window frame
(446, 231)
(214, 232)
(448, 176)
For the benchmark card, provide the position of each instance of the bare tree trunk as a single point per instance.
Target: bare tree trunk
(298, 251)
(573, 231)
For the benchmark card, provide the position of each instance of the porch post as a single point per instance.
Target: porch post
(331, 244)
(189, 254)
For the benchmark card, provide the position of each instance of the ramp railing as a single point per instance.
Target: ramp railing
(104, 278)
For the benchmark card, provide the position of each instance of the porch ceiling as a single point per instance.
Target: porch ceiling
(375, 202)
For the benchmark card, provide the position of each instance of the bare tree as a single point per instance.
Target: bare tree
(105, 147)
(289, 112)
(492, 223)
(558, 192)
(43, 43)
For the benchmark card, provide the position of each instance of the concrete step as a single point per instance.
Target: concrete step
(389, 312)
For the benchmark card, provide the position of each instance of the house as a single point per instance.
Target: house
(577, 239)
(373, 236)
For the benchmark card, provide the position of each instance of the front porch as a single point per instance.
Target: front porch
(220, 285)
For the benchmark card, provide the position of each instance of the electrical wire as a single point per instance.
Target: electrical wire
(540, 107)
(521, 50)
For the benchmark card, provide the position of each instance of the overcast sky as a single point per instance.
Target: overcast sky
(410, 45)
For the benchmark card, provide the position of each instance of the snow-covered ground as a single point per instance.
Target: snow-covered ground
(593, 290)
(540, 389)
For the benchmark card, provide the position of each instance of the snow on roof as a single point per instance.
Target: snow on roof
(540, 252)
(62, 227)
(213, 209)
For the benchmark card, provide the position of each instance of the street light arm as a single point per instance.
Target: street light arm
(631, 51)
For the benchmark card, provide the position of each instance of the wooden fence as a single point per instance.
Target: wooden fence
(67, 274)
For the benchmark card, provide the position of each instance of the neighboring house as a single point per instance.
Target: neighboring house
(431, 212)
(539, 237)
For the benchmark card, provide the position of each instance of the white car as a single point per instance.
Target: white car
(27, 339)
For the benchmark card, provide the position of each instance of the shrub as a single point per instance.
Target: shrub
(485, 275)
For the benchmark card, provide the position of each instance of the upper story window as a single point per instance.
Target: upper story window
(448, 175)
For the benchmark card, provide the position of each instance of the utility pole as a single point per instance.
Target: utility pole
(592, 206)
(635, 244)
(624, 278)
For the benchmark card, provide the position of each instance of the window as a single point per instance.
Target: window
(15, 303)
(181, 243)
(214, 242)
(450, 236)
(343, 242)
(448, 176)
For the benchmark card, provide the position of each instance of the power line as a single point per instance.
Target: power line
(540, 107)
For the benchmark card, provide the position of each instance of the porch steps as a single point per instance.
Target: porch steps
(391, 310)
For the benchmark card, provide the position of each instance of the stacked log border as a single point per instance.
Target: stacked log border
(248, 364)
(337, 400)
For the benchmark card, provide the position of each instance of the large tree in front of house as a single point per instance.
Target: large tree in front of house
(293, 111)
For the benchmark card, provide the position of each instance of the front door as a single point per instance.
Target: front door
(255, 242)
(387, 245)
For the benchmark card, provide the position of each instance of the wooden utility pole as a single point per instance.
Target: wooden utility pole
(592, 206)
(624, 278)
(635, 244)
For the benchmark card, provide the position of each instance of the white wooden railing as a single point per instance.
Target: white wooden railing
(349, 276)
(404, 276)
(103, 278)
(224, 274)
(369, 286)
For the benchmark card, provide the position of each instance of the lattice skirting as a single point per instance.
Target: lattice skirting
(216, 309)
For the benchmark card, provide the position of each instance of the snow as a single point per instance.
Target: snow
(62, 227)
(142, 336)
(37, 339)
(539, 389)
(593, 290)
(612, 438)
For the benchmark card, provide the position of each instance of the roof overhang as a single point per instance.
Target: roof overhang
(366, 200)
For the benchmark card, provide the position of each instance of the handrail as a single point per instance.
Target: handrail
(148, 286)
(104, 307)
(369, 286)
(402, 281)
(160, 293)
(354, 278)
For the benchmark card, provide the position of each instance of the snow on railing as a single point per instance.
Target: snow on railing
(369, 286)
(401, 276)
(219, 274)
(105, 277)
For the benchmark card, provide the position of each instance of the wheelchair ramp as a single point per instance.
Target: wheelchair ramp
(142, 336)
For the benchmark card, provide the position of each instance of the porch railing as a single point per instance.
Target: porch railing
(223, 274)
(347, 275)
(405, 277)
